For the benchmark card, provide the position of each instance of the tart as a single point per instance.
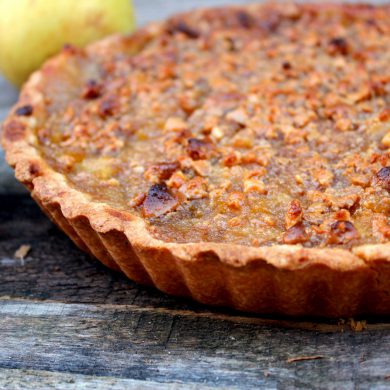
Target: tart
(238, 156)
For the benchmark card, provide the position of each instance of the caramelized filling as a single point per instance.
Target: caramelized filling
(257, 126)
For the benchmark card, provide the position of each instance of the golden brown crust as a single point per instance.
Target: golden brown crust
(284, 279)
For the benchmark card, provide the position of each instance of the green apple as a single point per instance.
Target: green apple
(33, 30)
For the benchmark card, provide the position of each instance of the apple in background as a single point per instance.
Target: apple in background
(33, 30)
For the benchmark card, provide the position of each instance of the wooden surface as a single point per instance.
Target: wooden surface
(67, 322)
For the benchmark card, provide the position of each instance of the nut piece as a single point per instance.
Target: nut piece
(159, 201)
(381, 228)
(255, 185)
(386, 140)
(161, 171)
(338, 45)
(294, 213)
(238, 116)
(92, 90)
(196, 149)
(235, 200)
(26, 110)
(295, 235)
(195, 188)
(383, 177)
(175, 124)
(184, 28)
(342, 232)
(253, 182)
(217, 133)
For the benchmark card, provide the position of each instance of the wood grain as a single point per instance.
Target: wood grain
(39, 379)
(68, 322)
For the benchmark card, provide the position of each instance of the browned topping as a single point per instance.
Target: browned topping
(107, 106)
(245, 19)
(14, 131)
(182, 27)
(384, 115)
(195, 188)
(286, 65)
(34, 169)
(159, 201)
(92, 90)
(294, 213)
(235, 200)
(24, 110)
(381, 227)
(383, 176)
(259, 125)
(161, 171)
(196, 149)
(338, 45)
(296, 235)
(341, 232)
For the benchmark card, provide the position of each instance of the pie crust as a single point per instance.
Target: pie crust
(291, 280)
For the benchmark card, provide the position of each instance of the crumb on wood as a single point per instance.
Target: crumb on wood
(266, 374)
(22, 252)
(357, 326)
(303, 358)
(352, 324)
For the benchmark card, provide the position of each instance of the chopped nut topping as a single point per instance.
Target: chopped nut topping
(343, 202)
(245, 19)
(161, 171)
(217, 133)
(137, 200)
(231, 159)
(383, 176)
(184, 28)
(386, 140)
(286, 65)
(266, 124)
(26, 110)
(256, 185)
(107, 106)
(338, 45)
(177, 180)
(235, 200)
(175, 124)
(159, 201)
(195, 188)
(294, 213)
(381, 227)
(384, 115)
(296, 234)
(239, 116)
(197, 148)
(92, 90)
(342, 232)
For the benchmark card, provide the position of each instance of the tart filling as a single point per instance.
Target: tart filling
(255, 126)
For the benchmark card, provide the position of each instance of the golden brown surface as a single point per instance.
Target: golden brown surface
(256, 126)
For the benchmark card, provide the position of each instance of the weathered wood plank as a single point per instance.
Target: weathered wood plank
(16, 379)
(153, 346)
